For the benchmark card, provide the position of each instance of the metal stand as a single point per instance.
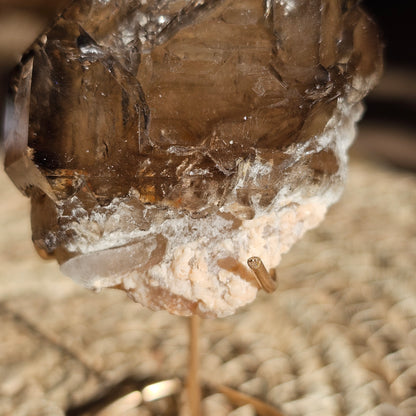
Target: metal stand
(193, 383)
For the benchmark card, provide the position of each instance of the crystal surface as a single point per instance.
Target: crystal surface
(162, 143)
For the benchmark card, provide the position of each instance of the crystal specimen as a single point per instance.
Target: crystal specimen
(164, 142)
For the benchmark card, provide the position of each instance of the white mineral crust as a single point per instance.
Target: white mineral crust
(187, 265)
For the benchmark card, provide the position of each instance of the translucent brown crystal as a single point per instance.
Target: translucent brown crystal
(144, 128)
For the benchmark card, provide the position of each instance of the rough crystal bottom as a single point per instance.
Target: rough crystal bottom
(163, 143)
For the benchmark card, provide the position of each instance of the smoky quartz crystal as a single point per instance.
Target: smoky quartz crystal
(164, 142)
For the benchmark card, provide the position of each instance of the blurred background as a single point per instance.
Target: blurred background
(341, 333)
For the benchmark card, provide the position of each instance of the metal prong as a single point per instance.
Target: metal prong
(263, 277)
(123, 405)
(161, 390)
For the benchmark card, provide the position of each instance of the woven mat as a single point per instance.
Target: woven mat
(337, 338)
